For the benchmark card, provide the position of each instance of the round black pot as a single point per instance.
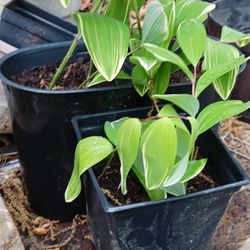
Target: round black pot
(184, 222)
(234, 14)
(42, 127)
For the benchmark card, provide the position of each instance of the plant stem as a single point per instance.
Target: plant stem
(137, 13)
(65, 60)
(194, 81)
(84, 84)
(152, 92)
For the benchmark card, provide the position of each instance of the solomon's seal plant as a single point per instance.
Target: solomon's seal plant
(160, 149)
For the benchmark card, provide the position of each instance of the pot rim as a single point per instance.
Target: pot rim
(109, 208)
(39, 48)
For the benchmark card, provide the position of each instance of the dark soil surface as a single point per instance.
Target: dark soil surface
(73, 75)
(136, 193)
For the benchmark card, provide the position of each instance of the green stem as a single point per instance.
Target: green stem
(65, 60)
(84, 84)
(194, 81)
(90, 68)
(152, 92)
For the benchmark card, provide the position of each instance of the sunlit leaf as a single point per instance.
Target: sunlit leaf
(169, 111)
(111, 129)
(128, 139)
(193, 169)
(89, 152)
(192, 37)
(190, 9)
(229, 35)
(219, 111)
(159, 139)
(119, 10)
(65, 3)
(217, 53)
(108, 48)
(99, 78)
(186, 102)
(155, 24)
(216, 72)
(165, 55)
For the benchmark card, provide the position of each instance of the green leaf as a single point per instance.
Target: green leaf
(229, 35)
(169, 9)
(193, 169)
(128, 139)
(140, 80)
(145, 59)
(186, 102)
(159, 139)
(89, 152)
(169, 111)
(99, 78)
(155, 24)
(190, 9)
(219, 111)
(164, 55)
(119, 10)
(176, 190)
(108, 48)
(111, 129)
(156, 194)
(136, 4)
(192, 37)
(65, 3)
(215, 54)
(162, 77)
(216, 72)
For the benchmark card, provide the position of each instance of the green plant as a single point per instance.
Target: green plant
(160, 148)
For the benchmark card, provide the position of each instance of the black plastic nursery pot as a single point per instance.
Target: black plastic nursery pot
(23, 24)
(185, 222)
(234, 14)
(42, 125)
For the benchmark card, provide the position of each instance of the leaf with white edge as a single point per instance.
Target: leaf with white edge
(159, 139)
(216, 72)
(219, 111)
(217, 53)
(169, 111)
(128, 139)
(99, 78)
(89, 152)
(108, 48)
(140, 80)
(161, 78)
(194, 131)
(179, 172)
(155, 24)
(190, 9)
(169, 9)
(145, 59)
(165, 55)
(186, 102)
(65, 3)
(111, 129)
(119, 10)
(176, 190)
(192, 37)
(193, 169)
(229, 35)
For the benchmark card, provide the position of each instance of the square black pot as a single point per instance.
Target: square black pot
(185, 222)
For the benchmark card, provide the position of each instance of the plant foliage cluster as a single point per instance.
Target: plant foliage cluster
(158, 149)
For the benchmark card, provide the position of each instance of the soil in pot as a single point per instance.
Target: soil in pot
(136, 193)
(72, 76)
